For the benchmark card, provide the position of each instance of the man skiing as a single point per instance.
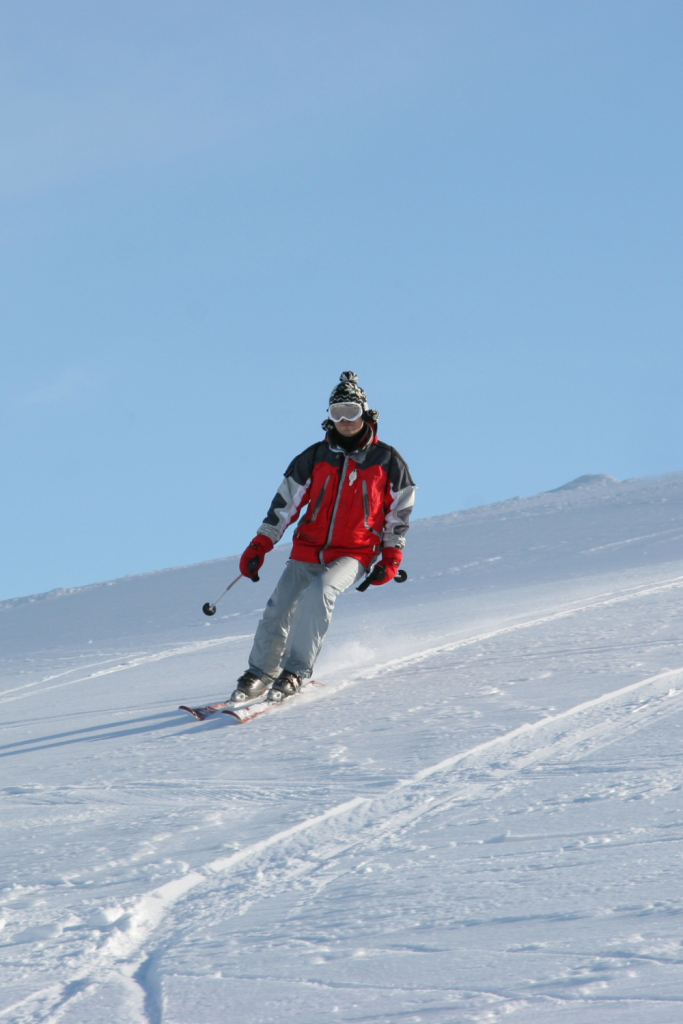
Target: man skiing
(358, 495)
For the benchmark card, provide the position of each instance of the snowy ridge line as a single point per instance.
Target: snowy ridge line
(135, 662)
(50, 595)
(429, 652)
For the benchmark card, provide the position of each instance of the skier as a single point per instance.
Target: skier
(359, 495)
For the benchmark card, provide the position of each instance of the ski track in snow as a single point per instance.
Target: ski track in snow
(132, 661)
(135, 661)
(602, 601)
(368, 673)
(468, 777)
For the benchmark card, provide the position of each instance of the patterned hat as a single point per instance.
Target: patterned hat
(349, 390)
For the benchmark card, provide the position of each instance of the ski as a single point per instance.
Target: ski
(201, 714)
(244, 715)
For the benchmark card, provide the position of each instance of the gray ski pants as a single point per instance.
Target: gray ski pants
(295, 621)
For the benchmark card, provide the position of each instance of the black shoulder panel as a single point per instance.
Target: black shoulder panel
(301, 467)
(396, 466)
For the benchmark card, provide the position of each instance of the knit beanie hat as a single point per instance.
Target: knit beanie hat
(349, 390)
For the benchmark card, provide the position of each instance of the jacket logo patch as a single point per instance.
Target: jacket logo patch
(352, 477)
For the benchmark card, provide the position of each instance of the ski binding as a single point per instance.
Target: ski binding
(245, 714)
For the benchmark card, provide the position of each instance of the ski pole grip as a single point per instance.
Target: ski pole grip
(401, 576)
(378, 573)
(252, 566)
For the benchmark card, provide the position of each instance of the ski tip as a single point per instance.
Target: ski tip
(195, 714)
(235, 715)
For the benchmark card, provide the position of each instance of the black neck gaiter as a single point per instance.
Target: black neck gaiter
(351, 444)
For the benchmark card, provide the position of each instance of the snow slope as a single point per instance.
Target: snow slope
(478, 818)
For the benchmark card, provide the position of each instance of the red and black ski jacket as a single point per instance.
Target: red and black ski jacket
(357, 502)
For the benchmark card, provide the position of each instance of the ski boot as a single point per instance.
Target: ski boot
(286, 684)
(249, 686)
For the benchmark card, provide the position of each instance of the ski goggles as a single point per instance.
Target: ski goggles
(345, 411)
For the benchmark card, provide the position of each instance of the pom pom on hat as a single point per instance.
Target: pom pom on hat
(348, 390)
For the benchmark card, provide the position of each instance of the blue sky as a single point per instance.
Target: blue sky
(211, 209)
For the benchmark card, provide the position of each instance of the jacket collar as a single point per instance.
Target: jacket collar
(367, 437)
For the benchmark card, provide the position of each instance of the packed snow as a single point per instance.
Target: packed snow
(477, 817)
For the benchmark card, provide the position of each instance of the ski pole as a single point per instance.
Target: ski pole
(378, 573)
(210, 609)
(252, 566)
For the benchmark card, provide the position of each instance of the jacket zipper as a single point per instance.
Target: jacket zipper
(319, 502)
(334, 511)
(366, 506)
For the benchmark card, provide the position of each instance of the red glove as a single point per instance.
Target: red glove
(252, 559)
(390, 560)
